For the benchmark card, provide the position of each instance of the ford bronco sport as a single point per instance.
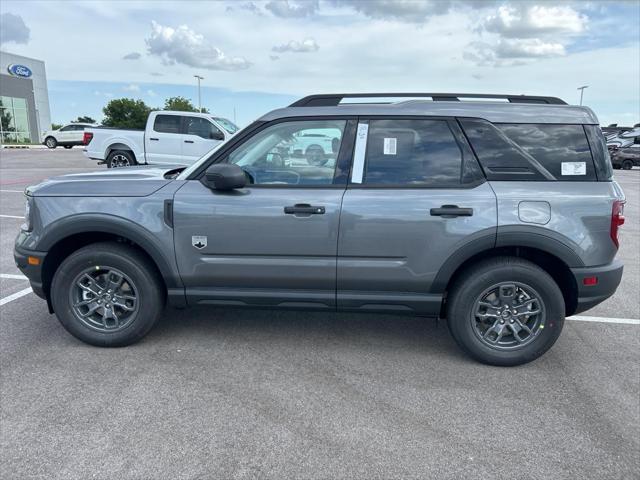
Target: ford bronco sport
(498, 213)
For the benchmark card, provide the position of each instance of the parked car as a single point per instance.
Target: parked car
(623, 139)
(169, 138)
(627, 158)
(501, 217)
(66, 136)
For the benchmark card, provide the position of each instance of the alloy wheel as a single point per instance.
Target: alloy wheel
(508, 316)
(104, 299)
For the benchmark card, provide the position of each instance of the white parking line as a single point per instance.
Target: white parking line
(12, 216)
(15, 296)
(11, 191)
(12, 276)
(625, 321)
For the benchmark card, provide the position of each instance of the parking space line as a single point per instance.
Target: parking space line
(625, 321)
(12, 216)
(15, 296)
(12, 276)
(11, 191)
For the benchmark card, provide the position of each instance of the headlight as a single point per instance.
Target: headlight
(27, 225)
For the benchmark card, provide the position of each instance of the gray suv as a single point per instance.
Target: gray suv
(498, 213)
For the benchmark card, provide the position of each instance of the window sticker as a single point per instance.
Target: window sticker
(574, 168)
(390, 146)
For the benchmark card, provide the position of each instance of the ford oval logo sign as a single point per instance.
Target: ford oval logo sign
(19, 70)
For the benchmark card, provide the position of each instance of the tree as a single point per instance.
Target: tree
(56, 126)
(126, 113)
(84, 119)
(181, 104)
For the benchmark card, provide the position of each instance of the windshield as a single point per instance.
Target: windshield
(228, 125)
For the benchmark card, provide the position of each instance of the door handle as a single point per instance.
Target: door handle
(154, 139)
(304, 208)
(188, 141)
(451, 211)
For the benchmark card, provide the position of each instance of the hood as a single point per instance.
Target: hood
(119, 182)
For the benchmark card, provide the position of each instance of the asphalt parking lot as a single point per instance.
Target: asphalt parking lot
(216, 393)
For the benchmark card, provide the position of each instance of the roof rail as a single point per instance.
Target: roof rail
(334, 99)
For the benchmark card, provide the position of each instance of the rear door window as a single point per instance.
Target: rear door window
(411, 152)
(167, 123)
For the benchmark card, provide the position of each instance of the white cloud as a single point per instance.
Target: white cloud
(132, 56)
(151, 93)
(520, 33)
(524, 21)
(274, 57)
(13, 29)
(404, 10)
(184, 46)
(305, 46)
(98, 93)
(132, 87)
(293, 8)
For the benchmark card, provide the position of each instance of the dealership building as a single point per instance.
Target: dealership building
(24, 99)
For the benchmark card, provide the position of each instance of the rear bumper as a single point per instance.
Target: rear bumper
(608, 276)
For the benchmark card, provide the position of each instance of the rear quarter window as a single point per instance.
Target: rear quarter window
(539, 152)
(563, 150)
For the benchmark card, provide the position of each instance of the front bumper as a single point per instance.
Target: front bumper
(608, 276)
(32, 272)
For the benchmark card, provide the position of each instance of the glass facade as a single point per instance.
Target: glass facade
(14, 121)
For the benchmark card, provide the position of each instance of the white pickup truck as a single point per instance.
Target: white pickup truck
(176, 138)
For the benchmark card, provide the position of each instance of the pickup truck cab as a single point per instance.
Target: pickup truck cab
(175, 138)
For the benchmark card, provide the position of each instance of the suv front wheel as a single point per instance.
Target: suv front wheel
(505, 311)
(107, 294)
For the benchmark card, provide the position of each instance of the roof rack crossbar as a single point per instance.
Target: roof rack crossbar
(334, 99)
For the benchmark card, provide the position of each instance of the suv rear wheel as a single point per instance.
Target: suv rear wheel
(505, 311)
(627, 165)
(107, 294)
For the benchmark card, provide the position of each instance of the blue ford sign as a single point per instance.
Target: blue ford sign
(19, 70)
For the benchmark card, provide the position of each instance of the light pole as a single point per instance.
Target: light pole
(199, 98)
(582, 92)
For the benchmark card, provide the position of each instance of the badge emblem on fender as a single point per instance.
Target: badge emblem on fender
(199, 241)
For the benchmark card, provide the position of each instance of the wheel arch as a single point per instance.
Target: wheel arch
(68, 235)
(119, 146)
(548, 253)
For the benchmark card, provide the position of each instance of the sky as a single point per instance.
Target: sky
(259, 55)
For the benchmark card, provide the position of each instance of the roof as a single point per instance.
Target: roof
(496, 112)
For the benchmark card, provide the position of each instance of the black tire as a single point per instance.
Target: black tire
(465, 295)
(68, 146)
(51, 142)
(120, 158)
(627, 165)
(141, 278)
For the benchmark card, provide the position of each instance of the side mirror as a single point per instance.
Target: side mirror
(216, 135)
(225, 176)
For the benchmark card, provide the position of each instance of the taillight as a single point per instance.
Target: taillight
(88, 136)
(617, 220)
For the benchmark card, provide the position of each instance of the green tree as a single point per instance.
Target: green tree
(56, 126)
(84, 119)
(181, 104)
(126, 113)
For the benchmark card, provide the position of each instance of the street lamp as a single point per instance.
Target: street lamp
(582, 91)
(199, 98)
